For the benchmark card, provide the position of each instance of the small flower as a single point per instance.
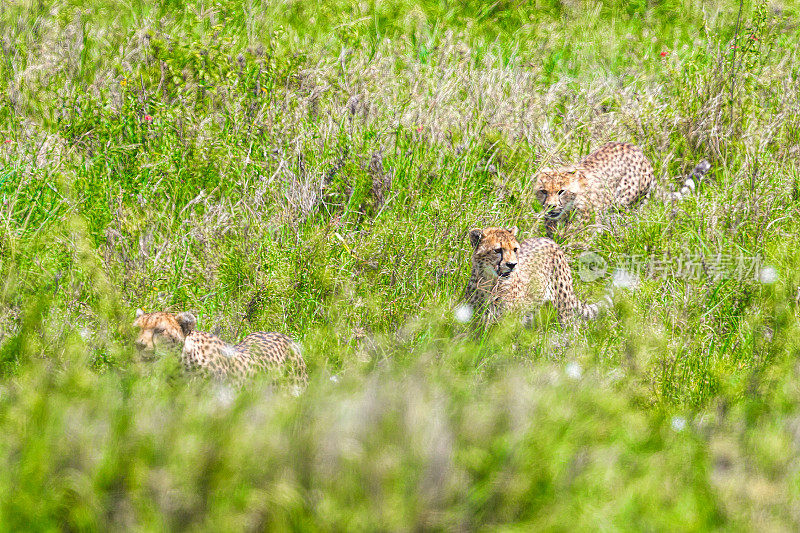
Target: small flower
(264, 90)
(224, 396)
(419, 129)
(664, 54)
(678, 423)
(8, 141)
(148, 118)
(463, 313)
(768, 275)
(574, 370)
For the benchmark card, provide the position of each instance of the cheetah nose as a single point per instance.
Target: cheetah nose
(510, 265)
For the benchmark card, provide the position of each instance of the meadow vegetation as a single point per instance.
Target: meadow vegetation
(314, 168)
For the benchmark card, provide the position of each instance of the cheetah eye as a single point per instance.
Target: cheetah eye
(498, 251)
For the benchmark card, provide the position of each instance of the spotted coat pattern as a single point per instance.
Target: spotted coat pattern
(207, 354)
(509, 275)
(616, 175)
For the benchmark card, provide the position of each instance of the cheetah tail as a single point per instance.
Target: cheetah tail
(690, 183)
(591, 311)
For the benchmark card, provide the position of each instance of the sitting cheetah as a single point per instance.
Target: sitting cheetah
(616, 175)
(210, 355)
(507, 274)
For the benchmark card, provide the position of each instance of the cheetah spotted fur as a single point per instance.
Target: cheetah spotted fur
(207, 354)
(509, 275)
(615, 176)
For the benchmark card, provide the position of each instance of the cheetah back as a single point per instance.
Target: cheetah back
(208, 354)
(545, 275)
(622, 168)
(269, 350)
(616, 175)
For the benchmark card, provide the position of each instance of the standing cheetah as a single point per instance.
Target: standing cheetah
(507, 274)
(617, 175)
(208, 354)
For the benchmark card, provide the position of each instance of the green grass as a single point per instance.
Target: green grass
(314, 168)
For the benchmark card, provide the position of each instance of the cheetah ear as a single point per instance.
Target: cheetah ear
(514, 231)
(475, 236)
(187, 322)
(139, 313)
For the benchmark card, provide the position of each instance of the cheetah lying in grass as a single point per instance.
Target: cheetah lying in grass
(208, 354)
(509, 275)
(617, 175)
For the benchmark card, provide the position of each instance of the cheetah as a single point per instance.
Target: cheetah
(617, 175)
(509, 275)
(207, 354)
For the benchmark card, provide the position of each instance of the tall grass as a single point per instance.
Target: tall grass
(313, 168)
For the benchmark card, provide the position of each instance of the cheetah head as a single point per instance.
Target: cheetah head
(162, 331)
(495, 251)
(557, 190)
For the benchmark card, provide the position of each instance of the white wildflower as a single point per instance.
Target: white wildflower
(463, 313)
(768, 275)
(678, 423)
(574, 370)
(224, 395)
